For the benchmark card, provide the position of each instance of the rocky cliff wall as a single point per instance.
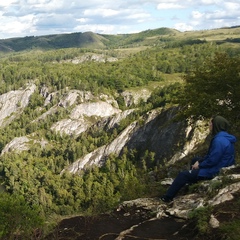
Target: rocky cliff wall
(155, 131)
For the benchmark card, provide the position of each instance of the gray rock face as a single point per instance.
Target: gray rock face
(71, 126)
(19, 144)
(98, 156)
(85, 115)
(13, 103)
(92, 58)
(133, 97)
(99, 109)
(155, 132)
(16, 144)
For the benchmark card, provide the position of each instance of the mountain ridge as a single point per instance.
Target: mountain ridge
(93, 40)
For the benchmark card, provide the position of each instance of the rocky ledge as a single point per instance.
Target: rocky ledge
(149, 218)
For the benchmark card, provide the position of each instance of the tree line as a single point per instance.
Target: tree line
(136, 70)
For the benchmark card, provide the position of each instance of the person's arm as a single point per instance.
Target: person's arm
(215, 153)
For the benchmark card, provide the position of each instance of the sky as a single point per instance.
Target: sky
(21, 18)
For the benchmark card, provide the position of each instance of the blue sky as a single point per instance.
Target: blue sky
(20, 18)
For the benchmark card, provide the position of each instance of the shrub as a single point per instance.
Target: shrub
(17, 218)
(202, 216)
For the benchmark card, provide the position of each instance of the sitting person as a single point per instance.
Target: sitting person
(220, 154)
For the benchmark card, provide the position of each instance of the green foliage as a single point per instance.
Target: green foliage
(213, 88)
(129, 40)
(95, 191)
(57, 41)
(230, 230)
(164, 37)
(160, 97)
(201, 216)
(18, 218)
(51, 69)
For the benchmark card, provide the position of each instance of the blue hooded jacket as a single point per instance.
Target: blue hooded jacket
(221, 151)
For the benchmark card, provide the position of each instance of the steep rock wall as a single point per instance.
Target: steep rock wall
(158, 134)
(155, 131)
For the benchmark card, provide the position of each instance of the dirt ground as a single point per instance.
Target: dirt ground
(117, 225)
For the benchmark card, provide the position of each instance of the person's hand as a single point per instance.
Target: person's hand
(195, 165)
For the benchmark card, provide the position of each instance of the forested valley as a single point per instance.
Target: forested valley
(200, 76)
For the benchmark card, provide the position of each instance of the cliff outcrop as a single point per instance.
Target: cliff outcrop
(12, 103)
(149, 218)
(154, 132)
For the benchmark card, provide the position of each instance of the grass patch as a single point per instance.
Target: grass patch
(230, 230)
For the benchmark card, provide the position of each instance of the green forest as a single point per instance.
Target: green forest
(199, 76)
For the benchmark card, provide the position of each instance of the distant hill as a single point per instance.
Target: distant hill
(155, 37)
(58, 41)
(82, 40)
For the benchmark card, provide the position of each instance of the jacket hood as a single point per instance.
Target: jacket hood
(219, 124)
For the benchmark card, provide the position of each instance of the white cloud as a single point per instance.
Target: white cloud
(82, 20)
(101, 12)
(7, 3)
(17, 26)
(169, 6)
(216, 15)
(25, 17)
(183, 27)
(209, 2)
(103, 29)
(197, 15)
(46, 5)
(232, 6)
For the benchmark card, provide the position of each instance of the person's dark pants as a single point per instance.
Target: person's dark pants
(183, 178)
